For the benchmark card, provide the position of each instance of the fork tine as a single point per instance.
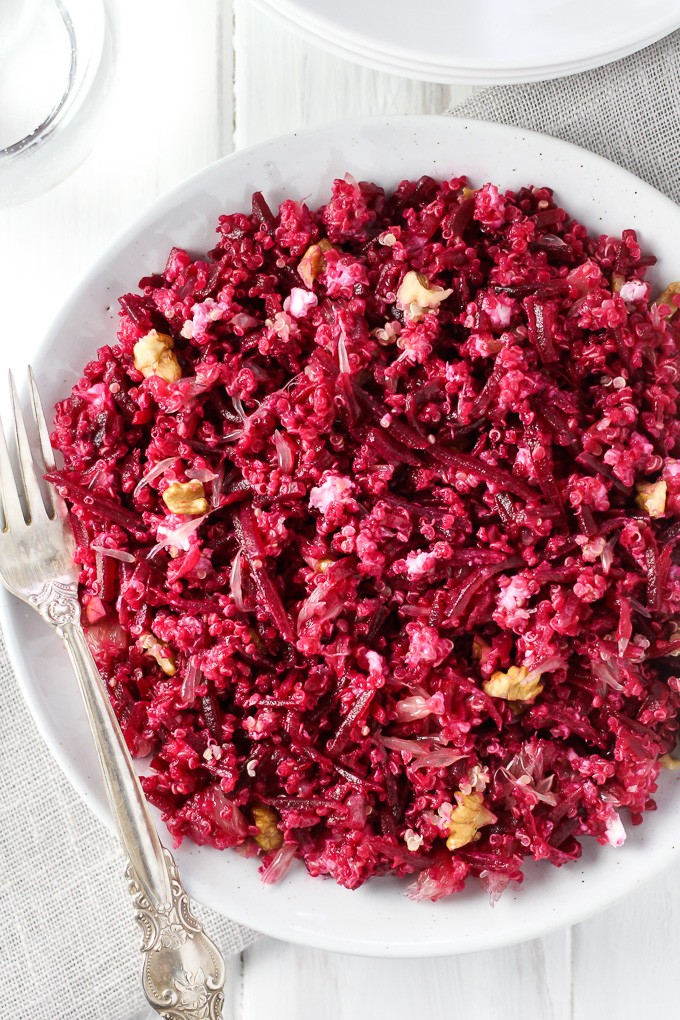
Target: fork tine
(46, 451)
(34, 500)
(14, 515)
(43, 431)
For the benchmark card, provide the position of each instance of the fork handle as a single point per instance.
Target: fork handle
(137, 831)
(183, 972)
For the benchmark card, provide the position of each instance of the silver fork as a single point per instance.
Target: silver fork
(182, 972)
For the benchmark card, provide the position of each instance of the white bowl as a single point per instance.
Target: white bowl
(376, 919)
(484, 42)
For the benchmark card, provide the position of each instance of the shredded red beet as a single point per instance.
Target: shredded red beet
(377, 512)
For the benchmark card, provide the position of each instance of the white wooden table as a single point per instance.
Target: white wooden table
(194, 81)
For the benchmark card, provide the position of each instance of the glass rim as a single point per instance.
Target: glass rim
(84, 22)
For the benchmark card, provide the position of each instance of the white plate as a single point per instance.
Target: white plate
(486, 42)
(377, 919)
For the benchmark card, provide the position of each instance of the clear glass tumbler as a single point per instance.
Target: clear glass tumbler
(56, 60)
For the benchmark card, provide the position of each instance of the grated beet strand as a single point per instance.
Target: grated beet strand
(346, 399)
(555, 420)
(489, 390)
(588, 460)
(471, 465)
(262, 213)
(343, 733)
(540, 327)
(476, 580)
(399, 430)
(212, 713)
(585, 520)
(251, 544)
(455, 225)
(101, 507)
(390, 450)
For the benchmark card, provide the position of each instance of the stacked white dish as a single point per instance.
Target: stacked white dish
(485, 42)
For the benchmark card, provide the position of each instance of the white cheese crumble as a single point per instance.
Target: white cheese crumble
(418, 564)
(514, 595)
(332, 490)
(299, 302)
(376, 663)
(634, 290)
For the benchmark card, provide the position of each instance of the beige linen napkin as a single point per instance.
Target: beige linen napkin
(68, 938)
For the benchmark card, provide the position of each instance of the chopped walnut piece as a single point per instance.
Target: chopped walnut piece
(153, 355)
(467, 193)
(466, 819)
(312, 262)
(669, 762)
(415, 295)
(269, 836)
(513, 685)
(186, 498)
(651, 496)
(667, 298)
(161, 653)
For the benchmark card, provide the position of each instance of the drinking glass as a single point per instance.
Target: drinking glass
(56, 60)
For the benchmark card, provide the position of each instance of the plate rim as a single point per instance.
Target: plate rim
(323, 32)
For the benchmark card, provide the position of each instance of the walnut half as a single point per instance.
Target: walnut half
(513, 685)
(153, 355)
(416, 295)
(186, 498)
(466, 819)
(651, 496)
(313, 262)
(269, 836)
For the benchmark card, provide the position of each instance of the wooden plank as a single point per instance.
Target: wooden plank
(625, 960)
(291, 983)
(283, 83)
(233, 988)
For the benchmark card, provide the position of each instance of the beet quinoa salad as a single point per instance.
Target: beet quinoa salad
(378, 511)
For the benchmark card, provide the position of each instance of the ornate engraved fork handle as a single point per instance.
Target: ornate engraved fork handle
(183, 972)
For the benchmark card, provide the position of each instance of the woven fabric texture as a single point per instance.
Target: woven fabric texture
(628, 111)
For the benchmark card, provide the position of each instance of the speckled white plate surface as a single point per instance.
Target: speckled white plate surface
(376, 919)
(484, 42)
